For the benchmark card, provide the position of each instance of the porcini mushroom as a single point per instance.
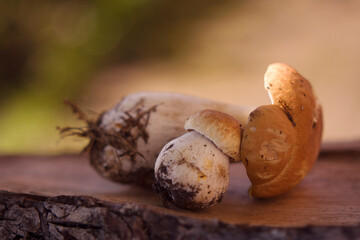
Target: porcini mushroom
(281, 141)
(126, 140)
(192, 171)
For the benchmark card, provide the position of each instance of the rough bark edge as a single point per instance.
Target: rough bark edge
(25, 216)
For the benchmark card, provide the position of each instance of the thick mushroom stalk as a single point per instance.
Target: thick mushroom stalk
(281, 141)
(126, 140)
(192, 171)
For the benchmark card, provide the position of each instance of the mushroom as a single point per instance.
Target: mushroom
(126, 140)
(281, 141)
(192, 171)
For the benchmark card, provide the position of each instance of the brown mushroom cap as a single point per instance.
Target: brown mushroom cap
(281, 142)
(220, 128)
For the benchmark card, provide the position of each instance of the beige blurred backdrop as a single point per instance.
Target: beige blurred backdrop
(223, 55)
(228, 53)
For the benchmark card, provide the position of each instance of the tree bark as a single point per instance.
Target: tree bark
(25, 216)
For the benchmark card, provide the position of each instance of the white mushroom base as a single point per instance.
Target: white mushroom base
(191, 172)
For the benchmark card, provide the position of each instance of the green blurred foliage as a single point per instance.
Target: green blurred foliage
(48, 50)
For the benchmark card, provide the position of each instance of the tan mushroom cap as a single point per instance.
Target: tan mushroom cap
(281, 142)
(220, 128)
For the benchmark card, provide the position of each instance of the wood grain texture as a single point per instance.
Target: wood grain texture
(62, 197)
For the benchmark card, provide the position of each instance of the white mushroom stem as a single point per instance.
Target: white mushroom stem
(163, 123)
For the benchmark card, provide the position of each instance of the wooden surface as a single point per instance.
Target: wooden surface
(328, 198)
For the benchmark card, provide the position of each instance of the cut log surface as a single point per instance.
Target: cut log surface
(62, 197)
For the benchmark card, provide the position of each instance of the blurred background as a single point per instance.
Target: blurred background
(96, 52)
